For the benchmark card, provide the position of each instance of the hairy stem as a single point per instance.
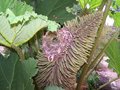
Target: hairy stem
(108, 83)
(97, 59)
(86, 66)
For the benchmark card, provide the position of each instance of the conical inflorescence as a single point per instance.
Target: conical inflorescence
(65, 51)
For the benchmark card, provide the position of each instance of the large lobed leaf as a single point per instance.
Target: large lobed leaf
(16, 30)
(55, 9)
(16, 75)
(10, 37)
(113, 52)
(25, 23)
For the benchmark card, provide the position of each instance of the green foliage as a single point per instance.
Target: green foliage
(18, 7)
(28, 31)
(92, 3)
(19, 23)
(115, 12)
(53, 88)
(92, 80)
(75, 10)
(116, 17)
(17, 30)
(83, 3)
(13, 19)
(9, 36)
(55, 9)
(52, 26)
(16, 75)
(4, 4)
(113, 52)
(116, 4)
(6, 33)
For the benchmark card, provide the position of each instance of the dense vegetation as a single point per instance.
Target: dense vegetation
(34, 33)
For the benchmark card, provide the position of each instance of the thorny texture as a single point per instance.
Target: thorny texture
(65, 51)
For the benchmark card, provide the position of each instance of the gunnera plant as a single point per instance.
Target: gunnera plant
(65, 51)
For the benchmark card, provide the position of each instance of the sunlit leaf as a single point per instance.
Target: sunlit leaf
(29, 30)
(83, 3)
(94, 3)
(4, 42)
(91, 3)
(5, 30)
(117, 19)
(52, 26)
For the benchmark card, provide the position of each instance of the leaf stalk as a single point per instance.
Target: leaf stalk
(86, 66)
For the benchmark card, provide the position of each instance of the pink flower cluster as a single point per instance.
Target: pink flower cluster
(108, 74)
(55, 44)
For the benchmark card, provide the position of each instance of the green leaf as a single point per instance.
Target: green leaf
(52, 26)
(93, 79)
(13, 19)
(18, 7)
(5, 30)
(16, 75)
(4, 42)
(94, 3)
(116, 3)
(29, 30)
(29, 1)
(113, 52)
(115, 12)
(53, 88)
(4, 4)
(55, 9)
(116, 17)
(83, 3)
(27, 65)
